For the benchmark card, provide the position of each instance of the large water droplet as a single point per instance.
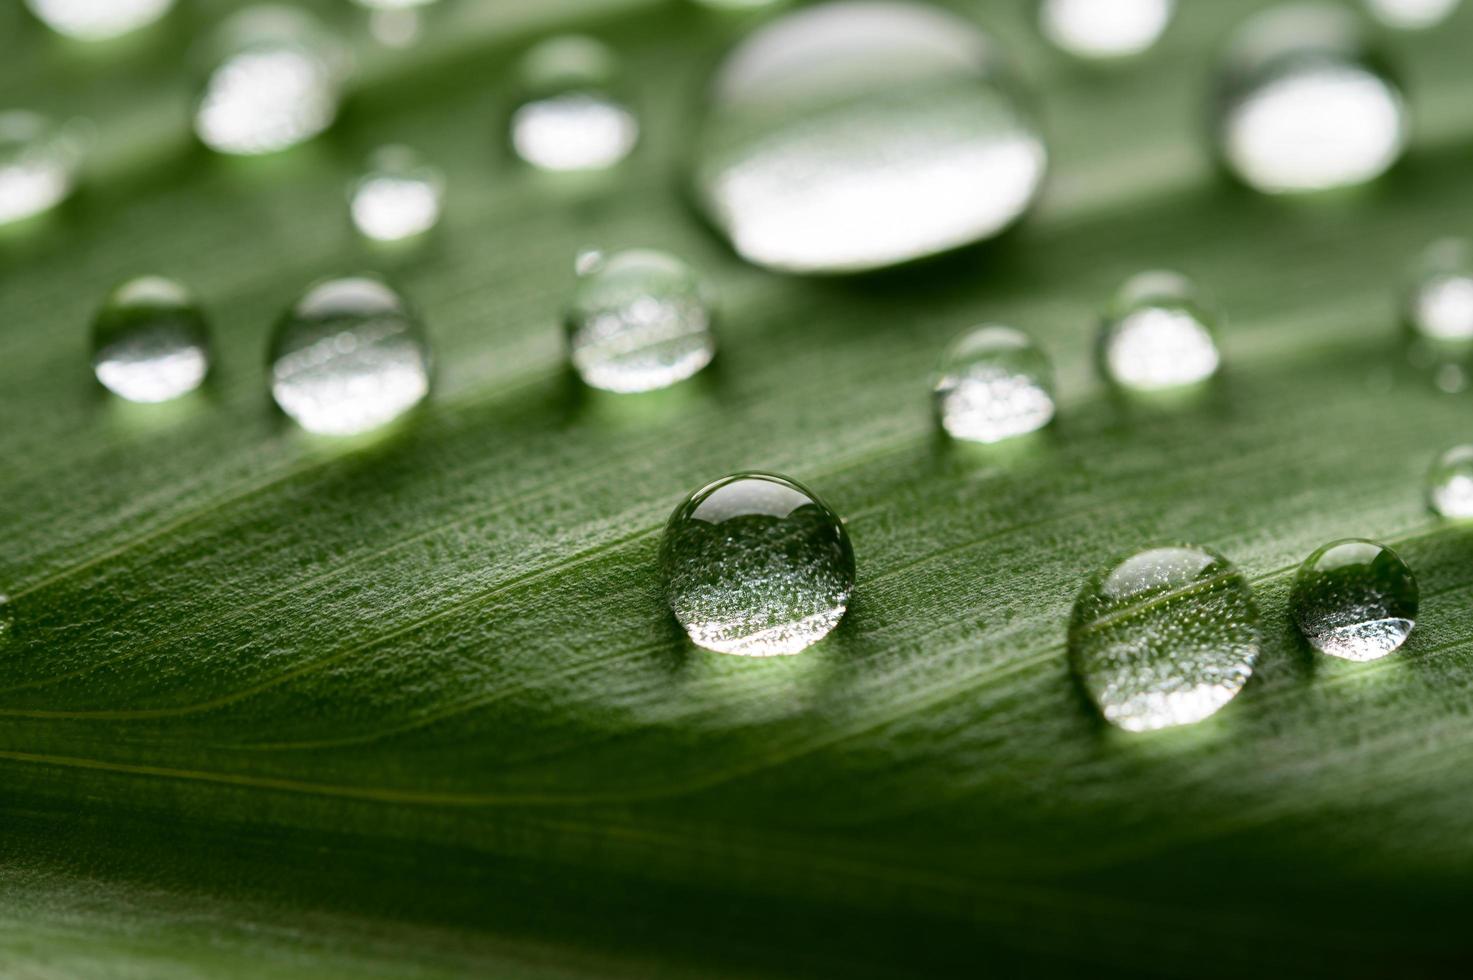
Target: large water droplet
(277, 84)
(1355, 599)
(1411, 15)
(1302, 106)
(149, 341)
(1450, 483)
(568, 120)
(1166, 637)
(399, 196)
(349, 357)
(857, 135)
(756, 565)
(639, 320)
(1158, 335)
(994, 384)
(38, 164)
(98, 20)
(1104, 29)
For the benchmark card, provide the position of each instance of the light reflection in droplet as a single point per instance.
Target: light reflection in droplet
(573, 131)
(1104, 28)
(398, 198)
(150, 341)
(1450, 483)
(1158, 336)
(1411, 15)
(98, 20)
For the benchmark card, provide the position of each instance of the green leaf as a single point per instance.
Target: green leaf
(275, 707)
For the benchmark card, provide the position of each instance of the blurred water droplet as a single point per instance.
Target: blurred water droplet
(349, 357)
(399, 197)
(7, 620)
(1166, 637)
(1437, 307)
(1451, 379)
(568, 119)
(149, 341)
(1355, 599)
(1450, 483)
(852, 136)
(1104, 29)
(756, 565)
(1302, 105)
(1158, 335)
(98, 20)
(38, 164)
(994, 384)
(1411, 15)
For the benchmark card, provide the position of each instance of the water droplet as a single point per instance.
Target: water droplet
(399, 197)
(1355, 599)
(853, 136)
(1158, 335)
(1166, 637)
(1301, 106)
(38, 164)
(756, 565)
(568, 120)
(278, 83)
(98, 20)
(1411, 15)
(349, 357)
(7, 619)
(149, 341)
(1437, 307)
(994, 384)
(1104, 29)
(1450, 483)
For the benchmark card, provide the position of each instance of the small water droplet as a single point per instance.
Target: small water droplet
(638, 320)
(7, 619)
(149, 341)
(399, 197)
(277, 84)
(1437, 307)
(852, 136)
(349, 357)
(1411, 15)
(38, 164)
(98, 20)
(756, 565)
(568, 119)
(1450, 483)
(994, 384)
(1166, 637)
(1104, 29)
(1158, 335)
(1302, 106)
(1355, 599)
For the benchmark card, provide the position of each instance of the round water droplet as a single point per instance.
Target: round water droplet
(277, 84)
(149, 341)
(639, 320)
(857, 135)
(349, 357)
(994, 384)
(399, 197)
(1411, 15)
(756, 565)
(1158, 335)
(1104, 29)
(1166, 637)
(1437, 307)
(1302, 106)
(1450, 483)
(1355, 599)
(38, 164)
(98, 20)
(568, 120)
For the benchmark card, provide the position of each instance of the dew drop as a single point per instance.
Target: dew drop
(1166, 637)
(1158, 335)
(399, 197)
(1104, 29)
(149, 341)
(1301, 105)
(349, 357)
(756, 565)
(38, 164)
(277, 84)
(1411, 15)
(98, 20)
(1450, 483)
(1437, 306)
(638, 320)
(1355, 599)
(7, 620)
(568, 119)
(858, 135)
(994, 384)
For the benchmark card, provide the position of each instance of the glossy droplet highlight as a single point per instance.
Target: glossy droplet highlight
(1450, 483)
(858, 135)
(756, 565)
(349, 357)
(1437, 306)
(1355, 599)
(994, 384)
(1104, 29)
(149, 341)
(1166, 637)
(98, 20)
(569, 120)
(1301, 104)
(1158, 335)
(1411, 15)
(399, 197)
(38, 164)
(638, 320)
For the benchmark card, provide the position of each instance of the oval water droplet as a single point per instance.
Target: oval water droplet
(277, 83)
(38, 164)
(399, 197)
(1450, 483)
(1166, 637)
(98, 20)
(568, 119)
(150, 342)
(1301, 105)
(858, 135)
(1158, 335)
(349, 357)
(1437, 306)
(1411, 15)
(1104, 29)
(756, 565)
(994, 384)
(1355, 599)
(638, 320)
